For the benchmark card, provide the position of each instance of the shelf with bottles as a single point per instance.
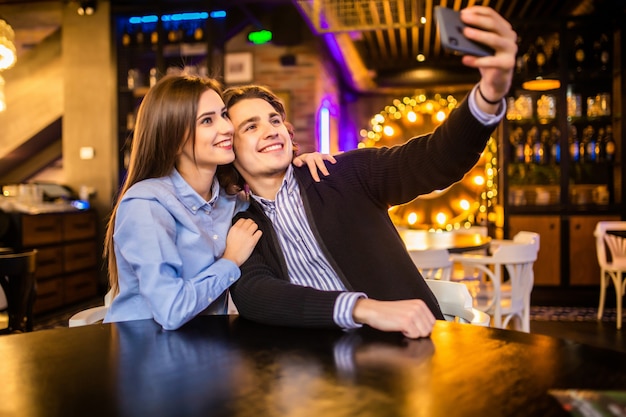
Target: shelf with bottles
(590, 58)
(538, 61)
(151, 46)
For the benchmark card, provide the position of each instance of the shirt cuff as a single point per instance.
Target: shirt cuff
(344, 306)
(485, 118)
(227, 270)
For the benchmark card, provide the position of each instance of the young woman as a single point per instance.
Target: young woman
(170, 247)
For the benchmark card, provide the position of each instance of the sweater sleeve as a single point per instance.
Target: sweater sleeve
(421, 165)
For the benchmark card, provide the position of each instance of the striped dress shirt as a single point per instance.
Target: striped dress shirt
(306, 263)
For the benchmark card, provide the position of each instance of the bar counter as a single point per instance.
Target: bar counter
(227, 366)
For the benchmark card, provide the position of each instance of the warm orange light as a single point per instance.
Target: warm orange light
(541, 84)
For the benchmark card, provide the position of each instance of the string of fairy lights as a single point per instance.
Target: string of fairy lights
(472, 201)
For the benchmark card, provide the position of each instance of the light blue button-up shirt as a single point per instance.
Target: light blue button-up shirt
(168, 244)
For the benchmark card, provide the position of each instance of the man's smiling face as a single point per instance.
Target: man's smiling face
(263, 146)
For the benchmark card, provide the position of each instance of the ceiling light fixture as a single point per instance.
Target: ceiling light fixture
(8, 55)
(86, 8)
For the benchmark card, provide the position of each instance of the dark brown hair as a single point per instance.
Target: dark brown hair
(165, 121)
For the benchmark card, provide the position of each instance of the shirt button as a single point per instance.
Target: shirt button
(210, 300)
(231, 279)
(215, 237)
(194, 208)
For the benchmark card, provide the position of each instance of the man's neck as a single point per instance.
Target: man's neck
(267, 186)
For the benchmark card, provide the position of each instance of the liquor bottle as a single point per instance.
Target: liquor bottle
(582, 147)
(605, 54)
(589, 140)
(555, 145)
(530, 60)
(198, 33)
(140, 38)
(579, 53)
(601, 146)
(574, 145)
(154, 36)
(540, 55)
(531, 138)
(553, 60)
(540, 148)
(609, 144)
(517, 141)
(126, 38)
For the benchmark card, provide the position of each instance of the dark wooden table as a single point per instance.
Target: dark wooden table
(453, 242)
(227, 366)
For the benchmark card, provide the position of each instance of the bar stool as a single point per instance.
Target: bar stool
(17, 277)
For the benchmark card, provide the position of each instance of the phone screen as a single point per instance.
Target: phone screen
(452, 38)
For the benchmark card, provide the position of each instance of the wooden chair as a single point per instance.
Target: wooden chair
(17, 277)
(612, 268)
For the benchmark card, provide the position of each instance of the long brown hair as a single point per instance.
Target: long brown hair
(165, 121)
(228, 175)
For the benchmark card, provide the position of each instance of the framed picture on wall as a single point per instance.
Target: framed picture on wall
(238, 68)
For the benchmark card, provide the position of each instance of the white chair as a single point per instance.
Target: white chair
(616, 268)
(466, 274)
(456, 302)
(517, 258)
(91, 315)
(433, 263)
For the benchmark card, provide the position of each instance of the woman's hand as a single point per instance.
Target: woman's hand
(241, 240)
(315, 161)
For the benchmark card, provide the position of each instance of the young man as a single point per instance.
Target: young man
(329, 254)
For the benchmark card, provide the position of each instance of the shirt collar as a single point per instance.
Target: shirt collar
(288, 186)
(189, 197)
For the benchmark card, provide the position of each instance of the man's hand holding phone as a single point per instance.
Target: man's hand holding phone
(451, 33)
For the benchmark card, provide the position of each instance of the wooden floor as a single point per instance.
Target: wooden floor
(590, 331)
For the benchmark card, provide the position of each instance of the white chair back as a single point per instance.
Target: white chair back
(613, 268)
(528, 237)
(514, 252)
(456, 302)
(600, 233)
(517, 258)
(432, 263)
(91, 315)
(617, 248)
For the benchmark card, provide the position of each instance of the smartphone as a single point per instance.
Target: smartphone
(451, 32)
